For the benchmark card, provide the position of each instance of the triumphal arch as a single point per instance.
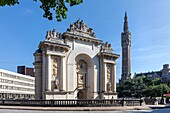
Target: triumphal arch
(75, 65)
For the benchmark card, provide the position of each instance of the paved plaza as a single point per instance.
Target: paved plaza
(166, 110)
(125, 109)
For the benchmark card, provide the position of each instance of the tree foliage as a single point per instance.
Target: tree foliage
(143, 87)
(157, 90)
(49, 6)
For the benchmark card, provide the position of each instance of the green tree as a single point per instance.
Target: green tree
(147, 80)
(156, 81)
(143, 86)
(139, 86)
(50, 7)
(126, 89)
(156, 90)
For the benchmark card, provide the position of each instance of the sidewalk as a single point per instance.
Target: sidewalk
(145, 107)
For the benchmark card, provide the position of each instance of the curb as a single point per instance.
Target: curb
(76, 108)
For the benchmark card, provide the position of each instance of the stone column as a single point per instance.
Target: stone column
(114, 77)
(49, 72)
(64, 73)
(61, 74)
(44, 73)
(100, 76)
(38, 81)
(38, 75)
(104, 77)
(73, 44)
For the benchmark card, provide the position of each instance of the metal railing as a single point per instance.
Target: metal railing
(73, 103)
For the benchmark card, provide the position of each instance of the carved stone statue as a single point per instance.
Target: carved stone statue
(55, 82)
(54, 36)
(79, 27)
(81, 71)
(109, 46)
(82, 26)
(58, 35)
(91, 32)
(48, 35)
(109, 87)
(102, 47)
(106, 47)
(56, 85)
(54, 33)
(77, 24)
(72, 28)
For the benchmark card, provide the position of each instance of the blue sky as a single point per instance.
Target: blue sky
(22, 27)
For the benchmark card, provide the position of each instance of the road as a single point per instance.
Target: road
(165, 110)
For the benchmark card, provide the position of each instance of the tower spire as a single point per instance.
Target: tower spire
(125, 27)
(126, 44)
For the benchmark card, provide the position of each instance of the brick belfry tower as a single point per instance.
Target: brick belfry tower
(126, 44)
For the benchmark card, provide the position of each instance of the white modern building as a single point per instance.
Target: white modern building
(16, 86)
(75, 65)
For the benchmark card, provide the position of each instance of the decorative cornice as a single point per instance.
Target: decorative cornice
(49, 43)
(83, 38)
(109, 54)
(106, 54)
(37, 63)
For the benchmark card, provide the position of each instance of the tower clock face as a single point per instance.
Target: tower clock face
(126, 41)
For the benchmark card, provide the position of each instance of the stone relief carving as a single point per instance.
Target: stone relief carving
(81, 66)
(108, 72)
(55, 68)
(106, 47)
(55, 81)
(108, 78)
(81, 71)
(80, 27)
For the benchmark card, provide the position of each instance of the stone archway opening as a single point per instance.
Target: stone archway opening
(85, 76)
(81, 67)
